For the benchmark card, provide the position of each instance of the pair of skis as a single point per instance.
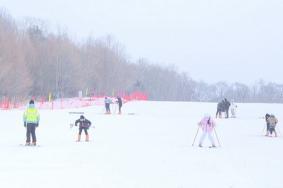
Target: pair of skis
(30, 145)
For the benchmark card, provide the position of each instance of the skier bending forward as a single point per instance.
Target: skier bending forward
(207, 125)
(84, 124)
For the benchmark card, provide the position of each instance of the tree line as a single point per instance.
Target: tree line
(35, 62)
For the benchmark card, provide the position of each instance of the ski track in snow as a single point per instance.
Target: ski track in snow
(148, 146)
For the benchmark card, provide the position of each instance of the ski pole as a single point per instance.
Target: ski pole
(195, 137)
(217, 137)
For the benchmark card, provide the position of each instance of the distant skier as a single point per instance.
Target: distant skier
(226, 107)
(267, 123)
(107, 102)
(272, 120)
(233, 108)
(31, 121)
(207, 125)
(84, 124)
(120, 103)
(220, 109)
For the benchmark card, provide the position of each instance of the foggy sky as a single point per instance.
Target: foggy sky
(219, 40)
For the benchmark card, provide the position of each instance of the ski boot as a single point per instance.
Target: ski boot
(79, 138)
(86, 138)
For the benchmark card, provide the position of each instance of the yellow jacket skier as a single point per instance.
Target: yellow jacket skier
(31, 120)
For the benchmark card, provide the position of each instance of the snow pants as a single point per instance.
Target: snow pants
(81, 129)
(271, 129)
(267, 128)
(218, 113)
(233, 112)
(203, 136)
(120, 106)
(227, 113)
(31, 132)
(107, 106)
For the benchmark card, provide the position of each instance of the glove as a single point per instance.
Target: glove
(25, 124)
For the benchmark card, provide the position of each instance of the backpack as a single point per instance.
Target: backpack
(272, 121)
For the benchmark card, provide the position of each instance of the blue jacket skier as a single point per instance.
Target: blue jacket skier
(107, 102)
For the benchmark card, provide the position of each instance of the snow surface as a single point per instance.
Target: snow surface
(148, 146)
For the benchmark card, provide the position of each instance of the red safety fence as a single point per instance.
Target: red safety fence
(66, 103)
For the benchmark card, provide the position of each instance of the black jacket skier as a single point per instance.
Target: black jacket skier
(226, 107)
(267, 124)
(120, 103)
(84, 124)
(272, 120)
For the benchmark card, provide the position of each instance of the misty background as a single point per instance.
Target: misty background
(171, 50)
(228, 38)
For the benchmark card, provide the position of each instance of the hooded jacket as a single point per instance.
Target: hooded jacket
(207, 124)
(31, 115)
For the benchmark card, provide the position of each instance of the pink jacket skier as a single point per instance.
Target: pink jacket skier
(207, 125)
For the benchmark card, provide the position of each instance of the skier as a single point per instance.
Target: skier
(233, 109)
(272, 120)
(31, 121)
(107, 102)
(84, 124)
(120, 103)
(207, 124)
(267, 123)
(220, 109)
(226, 107)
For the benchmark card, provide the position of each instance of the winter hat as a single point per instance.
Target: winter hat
(82, 117)
(31, 101)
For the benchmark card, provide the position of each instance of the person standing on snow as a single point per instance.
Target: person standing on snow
(272, 120)
(226, 107)
(120, 103)
(233, 109)
(267, 124)
(207, 125)
(31, 121)
(84, 124)
(107, 102)
(220, 109)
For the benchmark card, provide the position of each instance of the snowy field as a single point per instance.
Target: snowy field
(148, 146)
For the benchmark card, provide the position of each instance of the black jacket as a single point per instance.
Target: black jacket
(119, 101)
(84, 123)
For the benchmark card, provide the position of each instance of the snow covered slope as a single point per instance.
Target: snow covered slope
(148, 146)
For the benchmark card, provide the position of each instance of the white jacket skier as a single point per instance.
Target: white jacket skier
(233, 109)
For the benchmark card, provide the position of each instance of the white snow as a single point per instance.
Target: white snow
(148, 146)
